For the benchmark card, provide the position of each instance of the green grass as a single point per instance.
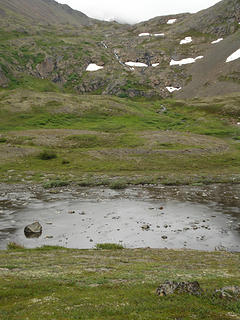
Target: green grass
(126, 138)
(55, 184)
(57, 283)
(14, 246)
(109, 246)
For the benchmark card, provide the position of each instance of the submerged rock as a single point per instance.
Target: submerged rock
(171, 287)
(33, 230)
(145, 227)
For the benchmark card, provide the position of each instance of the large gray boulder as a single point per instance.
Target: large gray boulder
(33, 230)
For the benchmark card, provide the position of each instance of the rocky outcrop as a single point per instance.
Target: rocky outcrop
(221, 19)
(46, 67)
(171, 287)
(228, 292)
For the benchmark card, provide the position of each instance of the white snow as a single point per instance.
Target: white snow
(145, 34)
(184, 61)
(155, 65)
(159, 34)
(216, 41)
(186, 40)
(172, 89)
(171, 21)
(136, 64)
(234, 56)
(93, 67)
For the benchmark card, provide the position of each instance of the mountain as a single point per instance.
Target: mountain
(44, 40)
(46, 12)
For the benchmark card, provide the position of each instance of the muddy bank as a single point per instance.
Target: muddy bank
(199, 217)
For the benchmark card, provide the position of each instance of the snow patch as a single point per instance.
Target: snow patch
(155, 65)
(216, 41)
(184, 61)
(136, 64)
(171, 21)
(234, 56)
(145, 34)
(172, 89)
(93, 67)
(159, 34)
(186, 40)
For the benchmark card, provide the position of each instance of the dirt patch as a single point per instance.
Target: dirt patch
(168, 143)
(48, 137)
(13, 152)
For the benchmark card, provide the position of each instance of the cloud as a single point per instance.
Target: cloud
(133, 11)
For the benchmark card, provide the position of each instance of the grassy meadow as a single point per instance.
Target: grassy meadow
(93, 139)
(56, 283)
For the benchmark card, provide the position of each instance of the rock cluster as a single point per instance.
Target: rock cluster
(228, 292)
(171, 287)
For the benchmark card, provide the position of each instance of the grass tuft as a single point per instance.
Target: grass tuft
(50, 248)
(15, 246)
(109, 246)
(118, 185)
(55, 184)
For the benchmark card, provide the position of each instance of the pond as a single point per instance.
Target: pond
(193, 217)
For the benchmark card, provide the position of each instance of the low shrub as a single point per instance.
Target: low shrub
(47, 155)
(2, 140)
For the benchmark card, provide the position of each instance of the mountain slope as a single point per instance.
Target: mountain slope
(212, 75)
(48, 41)
(41, 12)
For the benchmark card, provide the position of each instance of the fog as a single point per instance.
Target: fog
(133, 11)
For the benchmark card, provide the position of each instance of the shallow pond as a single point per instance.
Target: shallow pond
(204, 218)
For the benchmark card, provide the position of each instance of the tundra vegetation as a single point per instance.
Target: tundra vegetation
(115, 127)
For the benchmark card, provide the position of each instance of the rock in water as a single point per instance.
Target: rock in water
(170, 287)
(145, 227)
(33, 230)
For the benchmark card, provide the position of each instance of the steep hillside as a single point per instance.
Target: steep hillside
(152, 58)
(28, 12)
